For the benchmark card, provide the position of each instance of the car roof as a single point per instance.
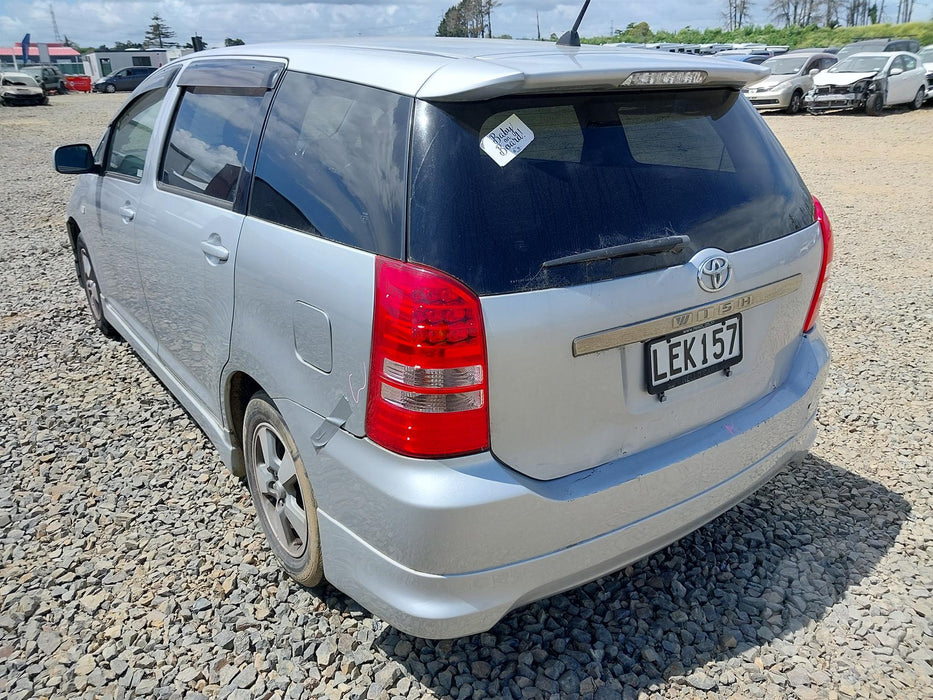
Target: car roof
(434, 68)
(804, 54)
(879, 54)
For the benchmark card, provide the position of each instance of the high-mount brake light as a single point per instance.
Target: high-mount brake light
(428, 390)
(826, 230)
(665, 77)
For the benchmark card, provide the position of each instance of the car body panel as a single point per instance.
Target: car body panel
(465, 69)
(553, 414)
(587, 470)
(273, 276)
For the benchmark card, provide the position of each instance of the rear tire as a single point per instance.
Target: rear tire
(796, 100)
(281, 491)
(918, 99)
(874, 104)
(88, 280)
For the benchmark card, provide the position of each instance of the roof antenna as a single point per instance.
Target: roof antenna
(571, 38)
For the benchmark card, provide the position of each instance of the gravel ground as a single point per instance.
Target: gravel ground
(132, 564)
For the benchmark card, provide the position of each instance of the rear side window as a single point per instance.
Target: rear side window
(208, 141)
(333, 162)
(595, 171)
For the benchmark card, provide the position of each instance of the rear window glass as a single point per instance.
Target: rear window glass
(589, 172)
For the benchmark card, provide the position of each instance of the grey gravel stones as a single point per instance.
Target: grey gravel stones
(131, 562)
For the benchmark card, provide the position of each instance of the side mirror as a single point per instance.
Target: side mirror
(75, 159)
(814, 71)
(896, 71)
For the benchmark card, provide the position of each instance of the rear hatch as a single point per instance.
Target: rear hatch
(645, 261)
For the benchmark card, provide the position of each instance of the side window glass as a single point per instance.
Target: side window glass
(333, 162)
(132, 132)
(208, 140)
(898, 63)
(909, 62)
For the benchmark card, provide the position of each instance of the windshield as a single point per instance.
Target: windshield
(785, 66)
(861, 47)
(578, 173)
(926, 55)
(860, 64)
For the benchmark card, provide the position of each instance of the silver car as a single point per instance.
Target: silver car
(791, 78)
(479, 321)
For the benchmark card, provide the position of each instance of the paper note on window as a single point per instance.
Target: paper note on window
(507, 140)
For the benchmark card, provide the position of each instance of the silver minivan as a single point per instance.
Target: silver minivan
(479, 321)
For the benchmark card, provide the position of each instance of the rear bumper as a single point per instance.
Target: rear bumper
(442, 549)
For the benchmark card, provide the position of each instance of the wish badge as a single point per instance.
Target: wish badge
(507, 140)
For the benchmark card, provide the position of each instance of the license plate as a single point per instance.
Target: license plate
(679, 358)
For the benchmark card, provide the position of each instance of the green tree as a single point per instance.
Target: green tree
(468, 18)
(635, 32)
(159, 33)
(233, 42)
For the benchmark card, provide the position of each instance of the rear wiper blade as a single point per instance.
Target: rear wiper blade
(667, 244)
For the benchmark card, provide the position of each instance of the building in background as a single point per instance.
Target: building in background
(65, 58)
(100, 64)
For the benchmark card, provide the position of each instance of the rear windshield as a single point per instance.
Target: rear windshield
(593, 172)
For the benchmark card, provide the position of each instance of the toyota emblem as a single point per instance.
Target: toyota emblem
(714, 273)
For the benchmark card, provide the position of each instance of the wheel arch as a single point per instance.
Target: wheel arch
(73, 232)
(240, 388)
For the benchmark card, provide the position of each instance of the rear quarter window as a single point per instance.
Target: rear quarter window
(333, 163)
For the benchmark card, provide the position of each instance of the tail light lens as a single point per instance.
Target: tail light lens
(428, 391)
(826, 230)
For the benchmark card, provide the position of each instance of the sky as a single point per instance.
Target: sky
(96, 22)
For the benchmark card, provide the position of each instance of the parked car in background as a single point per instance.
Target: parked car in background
(878, 45)
(869, 81)
(744, 57)
(789, 81)
(49, 77)
(124, 79)
(480, 321)
(926, 57)
(20, 89)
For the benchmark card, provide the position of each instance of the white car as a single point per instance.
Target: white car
(926, 58)
(789, 81)
(20, 89)
(869, 81)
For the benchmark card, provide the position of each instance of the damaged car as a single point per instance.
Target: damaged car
(20, 89)
(926, 58)
(791, 78)
(869, 82)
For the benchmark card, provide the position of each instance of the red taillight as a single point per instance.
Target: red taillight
(827, 231)
(428, 392)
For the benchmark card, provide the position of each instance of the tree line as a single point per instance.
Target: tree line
(790, 35)
(158, 36)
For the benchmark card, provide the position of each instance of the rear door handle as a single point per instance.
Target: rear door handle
(128, 213)
(212, 249)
